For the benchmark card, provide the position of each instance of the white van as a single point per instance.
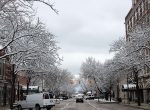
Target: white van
(36, 102)
(89, 96)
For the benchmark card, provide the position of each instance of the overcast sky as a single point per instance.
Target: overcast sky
(85, 28)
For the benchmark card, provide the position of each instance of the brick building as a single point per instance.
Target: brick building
(8, 89)
(5, 80)
(139, 14)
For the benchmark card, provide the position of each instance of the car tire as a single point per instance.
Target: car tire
(48, 108)
(30, 108)
(37, 107)
(19, 107)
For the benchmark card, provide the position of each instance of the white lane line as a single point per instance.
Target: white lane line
(93, 106)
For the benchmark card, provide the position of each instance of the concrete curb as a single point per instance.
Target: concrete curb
(139, 107)
(107, 102)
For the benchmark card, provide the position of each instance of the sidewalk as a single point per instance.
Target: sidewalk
(4, 108)
(143, 105)
(132, 104)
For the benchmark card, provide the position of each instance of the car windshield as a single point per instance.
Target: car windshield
(51, 96)
(46, 96)
(80, 96)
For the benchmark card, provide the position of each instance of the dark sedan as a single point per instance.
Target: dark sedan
(79, 98)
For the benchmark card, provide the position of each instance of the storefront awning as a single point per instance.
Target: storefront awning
(30, 87)
(129, 86)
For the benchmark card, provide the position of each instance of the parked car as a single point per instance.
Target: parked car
(79, 98)
(36, 101)
(65, 97)
(90, 97)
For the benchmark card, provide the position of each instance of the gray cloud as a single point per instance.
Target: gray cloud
(85, 27)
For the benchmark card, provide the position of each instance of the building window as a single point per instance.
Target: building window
(147, 51)
(132, 21)
(142, 6)
(139, 13)
(146, 69)
(135, 15)
(148, 4)
(141, 10)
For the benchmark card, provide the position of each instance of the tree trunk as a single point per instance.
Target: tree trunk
(118, 93)
(28, 83)
(18, 92)
(110, 94)
(100, 92)
(137, 87)
(5, 94)
(12, 100)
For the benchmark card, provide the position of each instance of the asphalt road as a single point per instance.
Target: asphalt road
(89, 105)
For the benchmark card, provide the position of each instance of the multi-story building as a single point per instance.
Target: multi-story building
(139, 14)
(5, 80)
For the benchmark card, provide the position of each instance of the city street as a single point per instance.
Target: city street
(75, 54)
(89, 105)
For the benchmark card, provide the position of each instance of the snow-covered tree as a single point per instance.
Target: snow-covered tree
(26, 42)
(135, 53)
(92, 70)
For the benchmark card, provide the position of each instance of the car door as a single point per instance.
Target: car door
(46, 99)
(52, 101)
(23, 102)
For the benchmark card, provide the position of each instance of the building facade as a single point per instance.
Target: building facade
(139, 14)
(5, 80)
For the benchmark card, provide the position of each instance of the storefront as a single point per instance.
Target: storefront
(5, 90)
(5, 82)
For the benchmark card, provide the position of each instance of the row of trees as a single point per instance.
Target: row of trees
(27, 44)
(132, 55)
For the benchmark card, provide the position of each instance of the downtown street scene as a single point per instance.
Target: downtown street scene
(74, 54)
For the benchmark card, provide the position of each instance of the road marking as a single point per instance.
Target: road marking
(93, 106)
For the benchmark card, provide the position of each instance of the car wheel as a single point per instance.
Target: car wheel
(48, 108)
(19, 107)
(37, 107)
